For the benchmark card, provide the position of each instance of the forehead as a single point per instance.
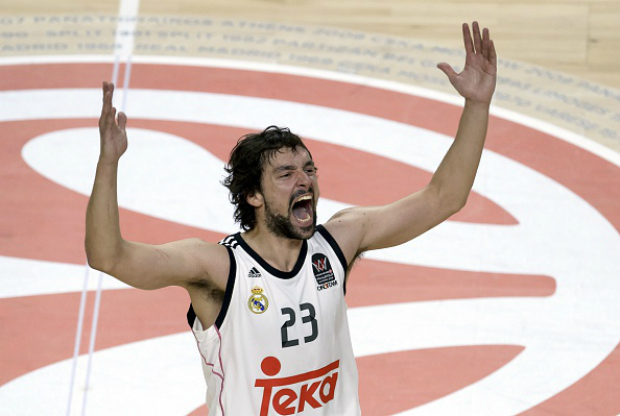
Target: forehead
(289, 157)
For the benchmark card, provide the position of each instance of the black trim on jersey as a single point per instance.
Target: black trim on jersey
(270, 269)
(191, 316)
(230, 285)
(326, 235)
(229, 241)
(334, 245)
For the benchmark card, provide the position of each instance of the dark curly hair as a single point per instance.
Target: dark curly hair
(246, 165)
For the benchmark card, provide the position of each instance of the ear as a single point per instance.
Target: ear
(255, 199)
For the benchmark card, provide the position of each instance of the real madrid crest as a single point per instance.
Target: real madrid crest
(258, 302)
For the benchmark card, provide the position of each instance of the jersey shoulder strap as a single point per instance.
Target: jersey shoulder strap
(230, 243)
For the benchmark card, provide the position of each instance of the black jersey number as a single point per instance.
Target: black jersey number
(309, 318)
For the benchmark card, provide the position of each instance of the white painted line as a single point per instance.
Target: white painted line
(583, 142)
(38, 277)
(125, 29)
(127, 20)
(78, 338)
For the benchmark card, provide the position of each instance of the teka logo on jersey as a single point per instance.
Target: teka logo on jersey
(323, 272)
(291, 395)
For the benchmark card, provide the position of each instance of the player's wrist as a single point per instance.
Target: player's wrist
(477, 105)
(107, 161)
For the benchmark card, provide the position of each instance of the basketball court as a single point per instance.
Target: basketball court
(510, 307)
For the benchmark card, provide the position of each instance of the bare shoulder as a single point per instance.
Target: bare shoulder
(347, 228)
(213, 258)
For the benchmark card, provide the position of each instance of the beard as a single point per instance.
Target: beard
(282, 226)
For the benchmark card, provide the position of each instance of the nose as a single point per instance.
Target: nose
(304, 180)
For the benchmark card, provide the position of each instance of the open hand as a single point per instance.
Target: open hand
(113, 135)
(477, 81)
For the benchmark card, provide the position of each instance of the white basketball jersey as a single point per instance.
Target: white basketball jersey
(281, 343)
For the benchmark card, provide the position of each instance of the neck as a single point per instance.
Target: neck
(279, 252)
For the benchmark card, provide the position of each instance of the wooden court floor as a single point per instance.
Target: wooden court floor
(508, 308)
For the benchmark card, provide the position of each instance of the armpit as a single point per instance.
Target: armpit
(208, 290)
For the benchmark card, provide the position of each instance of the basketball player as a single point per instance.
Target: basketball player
(267, 304)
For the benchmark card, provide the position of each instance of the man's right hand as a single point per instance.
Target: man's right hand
(113, 135)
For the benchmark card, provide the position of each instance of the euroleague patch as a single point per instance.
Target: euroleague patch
(258, 302)
(323, 272)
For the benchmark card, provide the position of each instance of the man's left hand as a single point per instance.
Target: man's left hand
(477, 81)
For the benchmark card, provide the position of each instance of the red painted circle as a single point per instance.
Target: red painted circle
(32, 231)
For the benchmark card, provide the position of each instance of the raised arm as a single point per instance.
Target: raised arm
(140, 265)
(361, 228)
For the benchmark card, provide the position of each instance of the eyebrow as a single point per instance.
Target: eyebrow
(291, 167)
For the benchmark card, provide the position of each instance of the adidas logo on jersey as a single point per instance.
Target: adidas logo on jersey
(254, 272)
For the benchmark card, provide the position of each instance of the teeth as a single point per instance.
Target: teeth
(308, 217)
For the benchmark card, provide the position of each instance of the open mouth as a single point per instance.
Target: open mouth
(302, 209)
